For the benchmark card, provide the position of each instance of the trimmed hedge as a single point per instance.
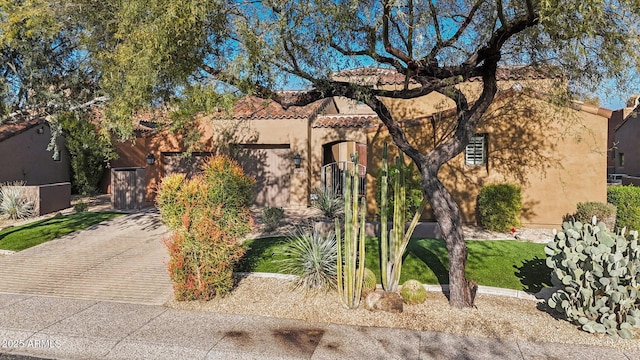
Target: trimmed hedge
(499, 206)
(604, 212)
(627, 201)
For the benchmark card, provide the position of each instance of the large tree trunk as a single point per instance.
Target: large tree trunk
(462, 292)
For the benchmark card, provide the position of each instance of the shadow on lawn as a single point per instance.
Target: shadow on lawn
(256, 251)
(534, 275)
(431, 260)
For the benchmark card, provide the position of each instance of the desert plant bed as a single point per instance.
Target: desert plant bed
(501, 263)
(21, 237)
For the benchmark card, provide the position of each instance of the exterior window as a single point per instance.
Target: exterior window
(476, 152)
(621, 157)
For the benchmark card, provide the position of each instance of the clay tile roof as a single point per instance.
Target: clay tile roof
(11, 129)
(254, 108)
(345, 121)
(372, 76)
(386, 76)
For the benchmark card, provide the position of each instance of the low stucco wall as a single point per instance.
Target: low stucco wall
(47, 198)
(423, 229)
(54, 197)
(631, 180)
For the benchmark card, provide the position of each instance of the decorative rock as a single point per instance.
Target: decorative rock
(380, 300)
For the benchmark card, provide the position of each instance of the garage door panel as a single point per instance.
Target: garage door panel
(271, 168)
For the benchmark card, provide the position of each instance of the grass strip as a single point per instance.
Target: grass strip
(501, 263)
(22, 237)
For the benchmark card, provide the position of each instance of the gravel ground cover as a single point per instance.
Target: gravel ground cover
(493, 316)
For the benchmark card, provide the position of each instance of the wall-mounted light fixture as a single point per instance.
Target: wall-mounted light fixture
(297, 160)
(151, 159)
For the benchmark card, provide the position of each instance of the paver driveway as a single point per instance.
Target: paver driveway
(119, 260)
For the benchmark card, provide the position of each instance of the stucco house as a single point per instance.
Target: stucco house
(24, 155)
(625, 152)
(556, 153)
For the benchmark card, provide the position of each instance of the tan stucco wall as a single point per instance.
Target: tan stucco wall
(557, 156)
(293, 132)
(25, 158)
(435, 102)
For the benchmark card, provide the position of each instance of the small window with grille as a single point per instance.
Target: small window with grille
(476, 152)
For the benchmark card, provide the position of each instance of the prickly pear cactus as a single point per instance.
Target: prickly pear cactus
(596, 273)
(413, 292)
(369, 282)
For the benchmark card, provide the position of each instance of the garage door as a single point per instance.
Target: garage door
(271, 166)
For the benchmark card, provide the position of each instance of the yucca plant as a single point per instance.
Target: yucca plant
(14, 204)
(329, 202)
(312, 257)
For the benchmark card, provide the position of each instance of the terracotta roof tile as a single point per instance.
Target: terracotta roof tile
(251, 107)
(11, 129)
(386, 76)
(373, 76)
(345, 121)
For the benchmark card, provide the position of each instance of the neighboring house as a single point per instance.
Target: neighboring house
(626, 152)
(24, 155)
(557, 154)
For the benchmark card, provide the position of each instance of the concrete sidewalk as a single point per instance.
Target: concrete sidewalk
(62, 328)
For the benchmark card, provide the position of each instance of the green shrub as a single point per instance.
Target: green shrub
(80, 206)
(627, 202)
(413, 292)
(329, 202)
(312, 257)
(603, 211)
(596, 273)
(89, 151)
(209, 216)
(271, 217)
(499, 206)
(14, 204)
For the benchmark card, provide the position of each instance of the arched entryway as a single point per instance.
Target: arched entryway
(338, 157)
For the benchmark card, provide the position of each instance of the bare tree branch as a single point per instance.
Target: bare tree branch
(386, 15)
(467, 20)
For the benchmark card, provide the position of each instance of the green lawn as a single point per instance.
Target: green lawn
(500, 263)
(25, 236)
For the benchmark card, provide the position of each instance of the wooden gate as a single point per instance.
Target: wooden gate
(128, 188)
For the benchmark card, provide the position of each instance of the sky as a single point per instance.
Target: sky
(613, 98)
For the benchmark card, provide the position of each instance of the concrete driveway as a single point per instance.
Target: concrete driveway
(119, 260)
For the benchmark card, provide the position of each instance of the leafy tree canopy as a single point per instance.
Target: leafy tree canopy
(43, 66)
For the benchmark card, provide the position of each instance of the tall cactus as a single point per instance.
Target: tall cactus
(351, 255)
(394, 243)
